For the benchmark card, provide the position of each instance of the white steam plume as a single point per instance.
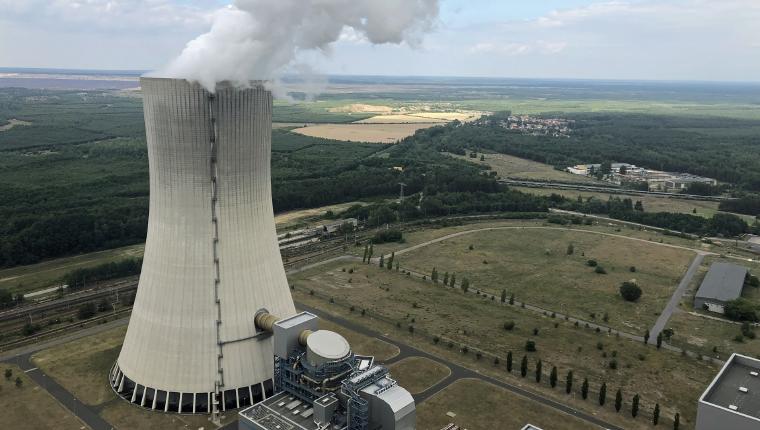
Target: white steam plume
(259, 39)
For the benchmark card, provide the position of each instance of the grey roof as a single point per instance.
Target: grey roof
(725, 390)
(278, 413)
(723, 282)
(530, 427)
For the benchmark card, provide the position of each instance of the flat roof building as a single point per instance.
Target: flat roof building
(732, 401)
(723, 283)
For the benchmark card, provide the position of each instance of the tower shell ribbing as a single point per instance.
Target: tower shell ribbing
(211, 256)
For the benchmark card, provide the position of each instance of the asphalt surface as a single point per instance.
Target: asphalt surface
(672, 305)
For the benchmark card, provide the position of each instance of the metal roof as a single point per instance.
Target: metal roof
(737, 387)
(723, 282)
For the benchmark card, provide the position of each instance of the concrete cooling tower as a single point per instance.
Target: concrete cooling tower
(211, 257)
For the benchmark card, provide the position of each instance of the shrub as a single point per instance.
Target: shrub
(632, 269)
(87, 310)
(600, 270)
(741, 310)
(530, 346)
(509, 325)
(591, 263)
(630, 291)
(384, 236)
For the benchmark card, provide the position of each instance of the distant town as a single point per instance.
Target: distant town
(535, 126)
(642, 178)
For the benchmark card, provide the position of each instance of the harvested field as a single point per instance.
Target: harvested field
(422, 117)
(373, 133)
(507, 166)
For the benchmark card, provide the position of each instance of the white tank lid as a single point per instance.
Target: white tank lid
(325, 345)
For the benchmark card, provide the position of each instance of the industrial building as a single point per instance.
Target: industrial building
(723, 283)
(732, 401)
(211, 256)
(321, 384)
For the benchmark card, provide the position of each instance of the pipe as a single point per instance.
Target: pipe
(264, 321)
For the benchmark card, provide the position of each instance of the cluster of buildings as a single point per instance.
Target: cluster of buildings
(656, 180)
(556, 127)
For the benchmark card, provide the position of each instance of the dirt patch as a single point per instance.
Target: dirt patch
(13, 122)
(359, 132)
(362, 108)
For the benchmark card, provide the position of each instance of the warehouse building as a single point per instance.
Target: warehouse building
(732, 401)
(723, 283)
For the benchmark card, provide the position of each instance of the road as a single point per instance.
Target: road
(672, 305)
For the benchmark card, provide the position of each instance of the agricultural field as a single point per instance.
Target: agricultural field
(458, 320)
(508, 166)
(371, 132)
(477, 405)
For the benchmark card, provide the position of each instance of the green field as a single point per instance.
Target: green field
(418, 374)
(471, 320)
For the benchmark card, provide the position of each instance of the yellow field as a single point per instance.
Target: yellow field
(422, 117)
(373, 133)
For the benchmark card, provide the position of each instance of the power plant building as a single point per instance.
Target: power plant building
(732, 401)
(211, 256)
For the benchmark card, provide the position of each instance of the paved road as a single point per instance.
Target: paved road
(672, 305)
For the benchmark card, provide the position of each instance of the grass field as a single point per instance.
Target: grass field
(31, 407)
(417, 374)
(507, 166)
(651, 203)
(671, 379)
(533, 264)
(479, 406)
(375, 133)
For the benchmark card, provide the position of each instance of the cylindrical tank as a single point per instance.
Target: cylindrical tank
(324, 346)
(211, 256)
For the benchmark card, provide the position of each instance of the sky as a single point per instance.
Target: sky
(709, 40)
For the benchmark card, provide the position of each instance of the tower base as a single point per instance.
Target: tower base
(186, 403)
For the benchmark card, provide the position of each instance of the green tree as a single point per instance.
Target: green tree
(570, 249)
(465, 285)
(397, 266)
(366, 253)
(553, 377)
(434, 275)
(618, 400)
(19, 382)
(509, 361)
(446, 278)
(371, 252)
(512, 299)
(676, 421)
(382, 261)
(605, 168)
(638, 206)
(635, 406)
(87, 310)
(659, 340)
(630, 291)
(524, 366)
(539, 365)
(453, 280)
(8, 373)
(584, 389)
(390, 261)
(569, 382)
(503, 296)
(656, 414)
(646, 337)
(603, 394)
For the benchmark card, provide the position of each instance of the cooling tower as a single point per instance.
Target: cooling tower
(211, 257)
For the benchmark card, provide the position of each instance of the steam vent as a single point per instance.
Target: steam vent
(211, 257)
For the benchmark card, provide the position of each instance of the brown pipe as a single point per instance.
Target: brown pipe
(265, 321)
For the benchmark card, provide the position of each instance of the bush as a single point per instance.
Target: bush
(632, 269)
(591, 263)
(600, 270)
(87, 310)
(630, 291)
(509, 325)
(530, 346)
(741, 310)
(385, 236)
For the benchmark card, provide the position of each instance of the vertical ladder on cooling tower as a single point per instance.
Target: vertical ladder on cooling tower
(219, 383)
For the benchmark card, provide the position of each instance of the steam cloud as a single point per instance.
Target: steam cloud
(259, 39)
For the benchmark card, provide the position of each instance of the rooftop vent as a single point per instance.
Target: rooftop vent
(743, 389)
